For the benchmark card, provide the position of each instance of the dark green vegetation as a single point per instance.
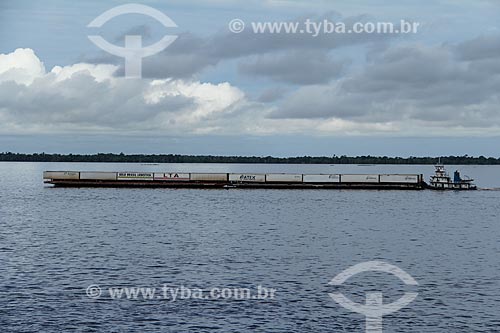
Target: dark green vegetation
(122, 158)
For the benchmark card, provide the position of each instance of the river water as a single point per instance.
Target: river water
(56, 242)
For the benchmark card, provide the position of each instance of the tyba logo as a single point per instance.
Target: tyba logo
(133, 52)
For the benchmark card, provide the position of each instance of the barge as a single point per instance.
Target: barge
(235, 180)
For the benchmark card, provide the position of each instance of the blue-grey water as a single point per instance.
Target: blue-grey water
(55, 242)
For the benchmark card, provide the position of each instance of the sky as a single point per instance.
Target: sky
(214, 91)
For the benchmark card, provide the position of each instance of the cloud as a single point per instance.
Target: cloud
(404, 89)
(190, 54)
(408, 84)
(89, 99)
(296, 67)
(21, 66)
(271, 95)
(484, 47)
(86, 97)
(185, 58)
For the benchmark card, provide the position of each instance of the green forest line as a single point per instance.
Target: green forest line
(171, 158)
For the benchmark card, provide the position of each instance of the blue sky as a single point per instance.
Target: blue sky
(212, 91)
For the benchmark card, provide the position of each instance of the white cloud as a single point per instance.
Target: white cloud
(99, 72)
(209, 98)
(21, 66)
(88, 98)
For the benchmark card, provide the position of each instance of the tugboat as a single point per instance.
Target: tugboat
(442, 181)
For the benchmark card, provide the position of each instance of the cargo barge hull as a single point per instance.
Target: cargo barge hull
(153, 184)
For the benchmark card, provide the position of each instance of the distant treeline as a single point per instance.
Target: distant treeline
(170, 158)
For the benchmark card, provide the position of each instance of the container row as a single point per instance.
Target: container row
(236, 177)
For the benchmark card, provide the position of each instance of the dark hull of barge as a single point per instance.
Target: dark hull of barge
(227, 185)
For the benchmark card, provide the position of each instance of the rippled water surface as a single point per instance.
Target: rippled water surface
(54, 243)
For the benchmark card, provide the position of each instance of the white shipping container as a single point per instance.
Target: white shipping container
(209, 177)
(359, 178)
(283, 178)
(61, 175)
(245, 177)
(135, 176)
(184, 177)
(402, 179)
(321, 178)
(98, 175)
